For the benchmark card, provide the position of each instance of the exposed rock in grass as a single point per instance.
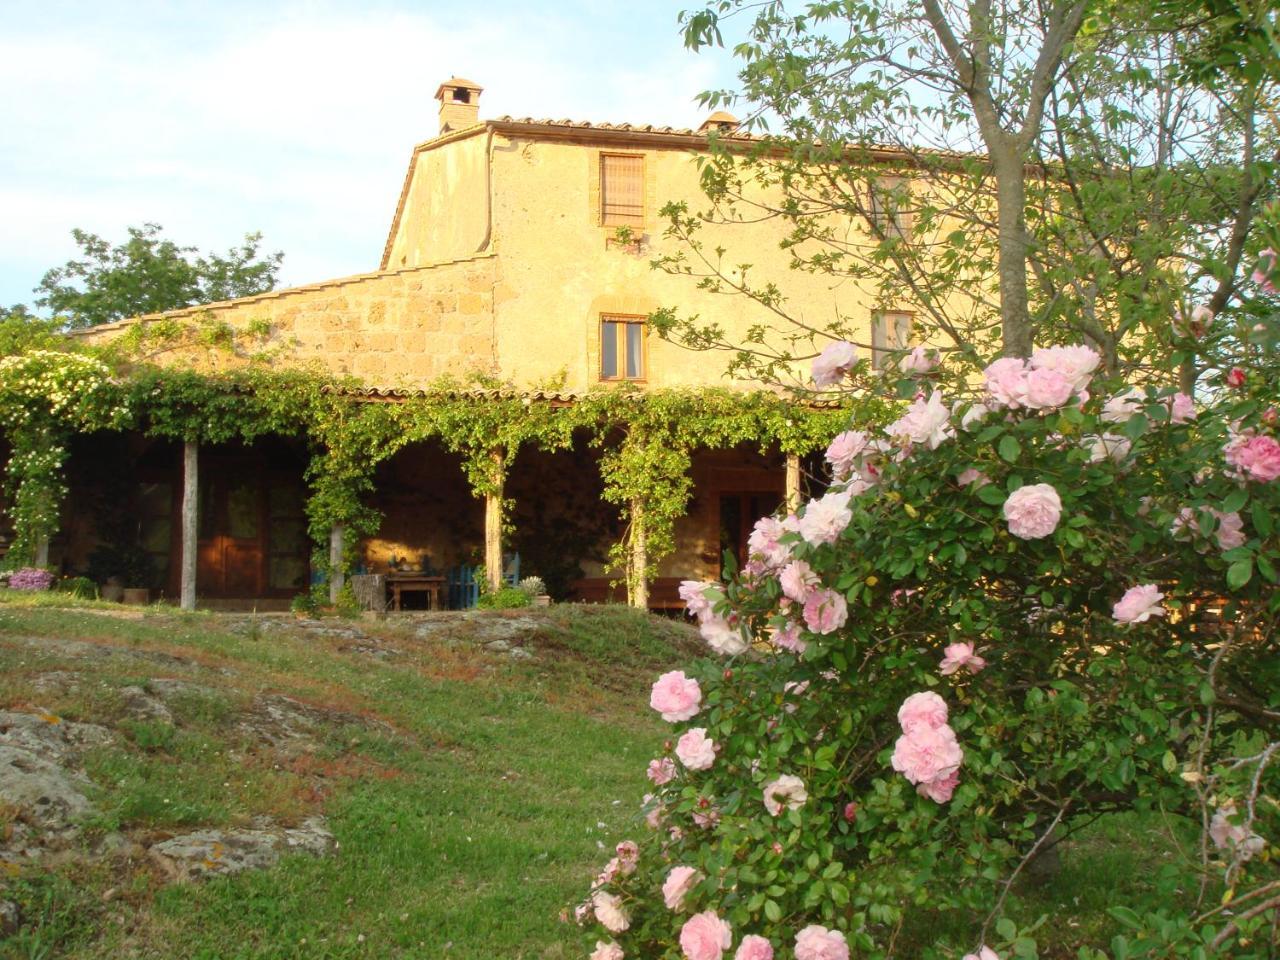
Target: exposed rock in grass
(206, 853)
(40, 773)
(292, 727)
(143, 706)
(10, 918)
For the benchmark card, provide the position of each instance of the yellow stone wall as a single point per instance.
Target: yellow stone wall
(444, 207)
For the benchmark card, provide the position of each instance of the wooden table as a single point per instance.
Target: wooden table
(404, 582)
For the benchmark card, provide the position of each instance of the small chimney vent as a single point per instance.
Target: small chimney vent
(459, 103)
(721, 122)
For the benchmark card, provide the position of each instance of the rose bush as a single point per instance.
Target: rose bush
(982, 635)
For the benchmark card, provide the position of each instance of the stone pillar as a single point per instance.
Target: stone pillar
(793, 482)
(493, 522)
(638, 574)
(337, 575)
(190, 513)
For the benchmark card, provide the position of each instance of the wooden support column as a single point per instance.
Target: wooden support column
(493, 522)
(638, 579)
(337, 575)
(793, 482)
(190, 509)
(42, 552)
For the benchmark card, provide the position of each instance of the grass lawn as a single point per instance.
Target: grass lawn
(472, 795)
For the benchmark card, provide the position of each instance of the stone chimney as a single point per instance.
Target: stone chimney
(724, 123)
(459, 103)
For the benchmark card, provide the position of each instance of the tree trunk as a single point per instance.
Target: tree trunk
(337, 573)
(638, 572)
(1011, 199)
(493, 524)
(793, 483)
(190, 500)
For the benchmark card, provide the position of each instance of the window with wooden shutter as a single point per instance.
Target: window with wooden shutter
(890, 332)
(622, 348)
(888, 207)
(621, 190)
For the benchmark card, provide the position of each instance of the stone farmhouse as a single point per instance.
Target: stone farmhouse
(503, 259)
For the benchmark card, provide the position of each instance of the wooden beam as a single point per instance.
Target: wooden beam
(337, 575)
(638, 575)
(793, 482)
(493, 523)
(190, 508)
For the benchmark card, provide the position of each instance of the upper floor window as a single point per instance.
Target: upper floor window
(890, 331)
(888, 207)
(622, 348)
(621, 190)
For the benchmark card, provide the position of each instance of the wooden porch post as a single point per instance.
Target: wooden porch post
(42, 552)
(793, 482)
(337, 576)
(493, 522)
(638, 575)
(190, 501)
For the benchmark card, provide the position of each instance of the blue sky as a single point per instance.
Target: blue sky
(295, 119)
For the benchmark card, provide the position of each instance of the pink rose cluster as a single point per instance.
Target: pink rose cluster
(1253, 456)
(926, 422)
(1046, 382)
(722, 636)
(927, 753)
(1263, 270)
(852, 454)
(1228, 527)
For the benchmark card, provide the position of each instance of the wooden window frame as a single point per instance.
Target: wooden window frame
(623, 318)
(890, 220)
(600, 184)
(879, 355)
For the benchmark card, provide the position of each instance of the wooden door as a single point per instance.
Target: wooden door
(232, 531)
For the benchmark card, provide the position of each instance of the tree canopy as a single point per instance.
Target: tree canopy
(148, 273)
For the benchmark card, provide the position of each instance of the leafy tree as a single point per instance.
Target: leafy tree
(1058, 170)
(20, 330)
(148, 274)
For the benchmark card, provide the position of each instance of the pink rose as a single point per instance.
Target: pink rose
(1075, 364)
(798, 580)
(940, 790)
(825, 518)
(927, 754)
(1139, 604)
(960, 655)
(919, 361)
(724, 639)
(973, 477)
(1109, 446)
(1254, 457)
(1006, 382)
(787, 637)
(1234, 837)
(678, 883)
(1230, 532)
(1124, 406)
(610, 912)
(676, 697)
(607, 950)
(1182, 408)
(1235, 378)
(819, 943)
(753, 947)
(925, 709)
(694, 595)
(661, 770)
(763, 542)
(830, 366)
(1047, 389)
(926, 422)
(628, 856)
(825, 611)
(705, 936)
(787, 791)
(845, 451)
(695, 751)
(984, 953)
(1033, 511)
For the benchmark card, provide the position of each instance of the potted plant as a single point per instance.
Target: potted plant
(121, 573)
(536, 589)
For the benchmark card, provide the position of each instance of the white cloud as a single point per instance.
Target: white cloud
(296, 121)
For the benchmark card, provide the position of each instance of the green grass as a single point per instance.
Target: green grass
(466, 807)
